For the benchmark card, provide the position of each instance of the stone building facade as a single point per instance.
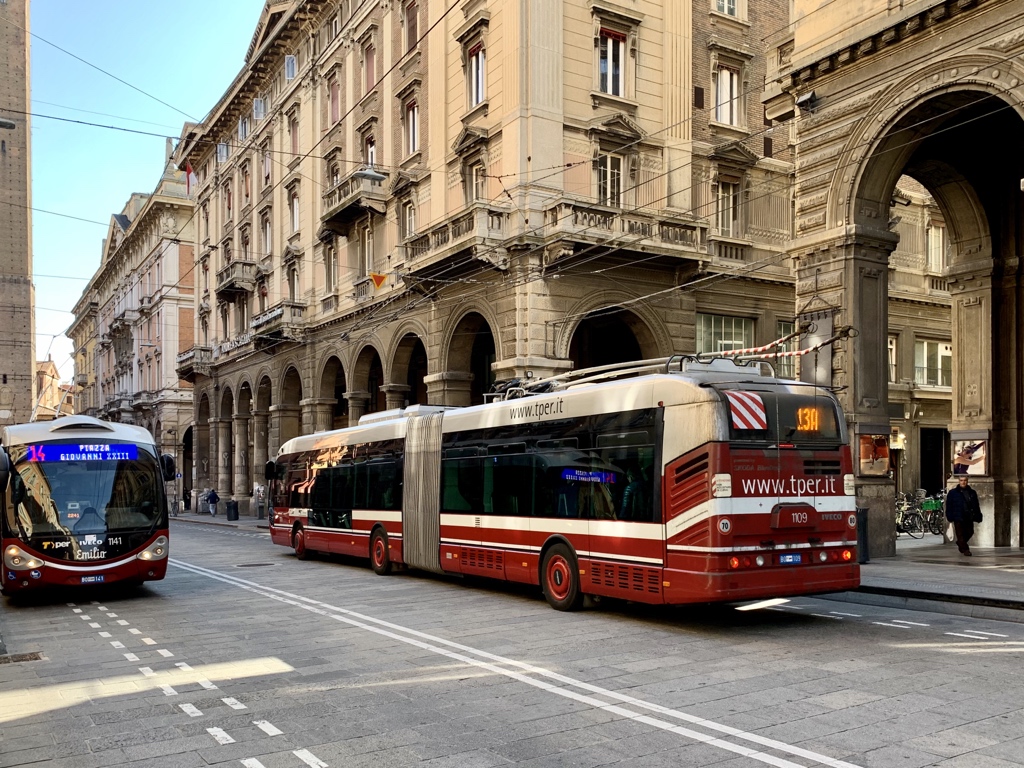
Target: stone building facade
(136, 316)
(17, 294)
(400, 203)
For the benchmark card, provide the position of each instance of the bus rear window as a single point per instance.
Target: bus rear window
(796, 418)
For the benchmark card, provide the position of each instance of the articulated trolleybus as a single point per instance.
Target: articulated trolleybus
(83, 503)
(684, 480)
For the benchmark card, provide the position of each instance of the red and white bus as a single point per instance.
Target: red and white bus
(83, 503)
(708, 480)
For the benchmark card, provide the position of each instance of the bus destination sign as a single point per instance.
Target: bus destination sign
(83, 452)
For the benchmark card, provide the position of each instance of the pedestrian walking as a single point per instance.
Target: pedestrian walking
(963, 511)
(212, 498)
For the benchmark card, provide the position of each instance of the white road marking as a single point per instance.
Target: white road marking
(252, 762)
(529, 675)
(111, 615)
(911, 623)
(83, 617)
(95, 625)
(117, 643)
(267, 728)
(122, 622)
(220, 735)
(135, 631)
(72, 605)
(309, 758)
(191, 710)
(131, 657)
(182, 665)
(147, 671)
(960, 634)
(99, 607)
(854, 615)
(887, 624)
(149, 641)
(234, 703)
(77, 610)
(990, 634)
(105, 634)
(168, 691)
(827, 616)
(165, 653)
(207, 684)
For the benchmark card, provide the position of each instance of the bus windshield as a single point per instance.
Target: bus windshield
(64, 498)
(783, 417)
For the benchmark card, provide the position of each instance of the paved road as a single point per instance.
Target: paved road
(246, 656)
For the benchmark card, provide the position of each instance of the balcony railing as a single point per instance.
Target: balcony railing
(351, 198)
(280, 321)
(481, 225)
(237, 277)
(81, 379)
(192, 362)
(933, 377)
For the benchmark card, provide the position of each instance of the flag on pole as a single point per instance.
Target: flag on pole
(378, 280)
(190, 178)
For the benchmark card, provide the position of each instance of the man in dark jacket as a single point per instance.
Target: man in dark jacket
(963, 510)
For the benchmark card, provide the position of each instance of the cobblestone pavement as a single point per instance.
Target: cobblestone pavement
(246, 656)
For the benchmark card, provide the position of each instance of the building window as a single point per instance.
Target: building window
(267, 166)
(412, 128)
(293, 135)
(718, 333)
(335, 175)
(259, 109)
(330, 267)
(609, 180)
(786, 367)
(477, 73)
(412, 25)
(477, 189)
(293, 209)
(246, 186)
(937, 247)
(727, 96)
(206, 221)
(728, 206)
(366, 250)
(370, 151)
(243, 129)
(228, 202)
(222, 152)
(933, 363)
(291, 66)
(265, 226)
(727, 7)
(893, 360)
(408, 220)
(293, 283)
(243, 241)
(335, 99)
(369, 68)
(612, 62)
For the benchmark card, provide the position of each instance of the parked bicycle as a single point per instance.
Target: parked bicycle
(932, 509)
(909, 519)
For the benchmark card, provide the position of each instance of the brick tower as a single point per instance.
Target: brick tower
(17, 300)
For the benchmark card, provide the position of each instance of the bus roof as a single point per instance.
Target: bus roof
(679, 387)
(73, 428)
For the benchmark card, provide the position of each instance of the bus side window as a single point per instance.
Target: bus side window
(341, 496)
(512, 484)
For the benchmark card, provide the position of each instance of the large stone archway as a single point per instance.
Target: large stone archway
(332, 406)
(946, 119)
(608, 337)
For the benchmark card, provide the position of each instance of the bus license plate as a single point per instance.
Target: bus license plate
(793, 559)
(98, 579)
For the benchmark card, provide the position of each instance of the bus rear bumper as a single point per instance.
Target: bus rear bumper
(733, 586)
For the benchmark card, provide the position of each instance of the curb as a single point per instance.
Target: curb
(955, 605)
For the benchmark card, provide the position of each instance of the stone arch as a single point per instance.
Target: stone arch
(225, 444)
(409, 368)
(289, 408)
(367, 394)
(333, 406)
(470, 354)
(651, 336)
(206, 467)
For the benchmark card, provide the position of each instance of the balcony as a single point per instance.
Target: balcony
(81, 379)
(351, 199)
(237, 277)
(124, 319)
(282, 322)
(144, 401)
(481, 231)
(587, 223)
(193, 362)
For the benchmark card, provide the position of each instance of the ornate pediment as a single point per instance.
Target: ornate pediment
(401, 183)
(618, 126)
(734, 153)
(470, 138)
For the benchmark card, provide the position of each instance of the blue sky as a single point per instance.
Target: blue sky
(184, 53)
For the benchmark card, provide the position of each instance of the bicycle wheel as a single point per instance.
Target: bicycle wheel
(913, 524)
(936, 522)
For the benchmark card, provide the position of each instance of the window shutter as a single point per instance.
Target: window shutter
(698, 97)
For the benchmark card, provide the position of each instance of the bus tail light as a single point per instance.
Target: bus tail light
(721, 486)
(155, 551)
(734, 562)
(847, 555)
(849, 486)
(18, 560)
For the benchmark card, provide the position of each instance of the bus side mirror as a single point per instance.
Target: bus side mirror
(270, 471)
(167, 464)
(5, 470)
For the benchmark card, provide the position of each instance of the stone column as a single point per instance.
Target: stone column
(224, 459)
(285, 424)
(449, 388)
(842, 280)
(243, 482)
(260, 454)
(397, 395)
(357, 402)
(316, 415)
(527, 368)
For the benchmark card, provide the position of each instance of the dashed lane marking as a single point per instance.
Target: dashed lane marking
(135, 631)
(911, 623)
(234, 703)
(147, 671)
(252, 762)
(887, 624)
(105, 634)
(117, 644)
(220, 735)
(168, 691)
(95, 625)
(165, 653)
(148, 641)
(853, 615)
(972, 637)
(309, 758)
(191, 710)
(183, 666)
(131, 657)
(267, 728)
(122, 622)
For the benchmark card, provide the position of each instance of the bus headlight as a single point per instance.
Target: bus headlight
(18, 560)
(155, 551)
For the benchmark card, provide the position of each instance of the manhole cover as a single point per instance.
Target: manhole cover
(14, 658)
(254, 565)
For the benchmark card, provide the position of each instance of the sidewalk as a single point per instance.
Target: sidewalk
(925, 575)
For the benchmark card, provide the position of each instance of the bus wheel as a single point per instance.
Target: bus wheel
(560, 578)
(299, 544)
(380, 557)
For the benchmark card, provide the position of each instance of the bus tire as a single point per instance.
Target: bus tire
(299, 543)
(560, 579)
(380, 555)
